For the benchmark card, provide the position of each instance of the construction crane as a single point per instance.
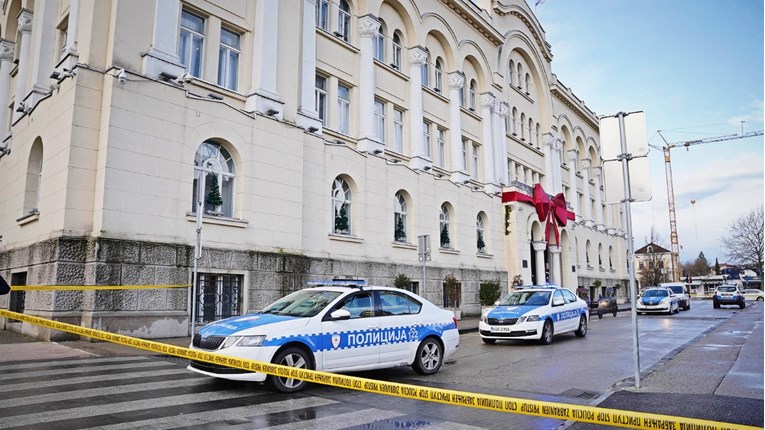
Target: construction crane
(674, 242)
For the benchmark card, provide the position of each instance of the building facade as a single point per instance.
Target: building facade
(318, 139)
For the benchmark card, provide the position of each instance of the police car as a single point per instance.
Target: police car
(535, 312)
(335, 326)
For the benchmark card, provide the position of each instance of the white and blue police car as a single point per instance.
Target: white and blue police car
(536, 313)
(335, 326)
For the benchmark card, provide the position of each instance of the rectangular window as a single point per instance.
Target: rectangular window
(321, 98)
(322, 14)
(63, 33)
(475, 161)
(396, 56)
(441, 148)
(228, 59)
(398, 130)
(380, 46)
(426, 137)
(380, 120)
(218, 297)
(343, 109)
(191, 43)
(464, 154)
(344, 24)
(425, 73)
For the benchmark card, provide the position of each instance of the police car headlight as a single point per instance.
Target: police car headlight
(528, 318)
(665, 301)
(243, 341)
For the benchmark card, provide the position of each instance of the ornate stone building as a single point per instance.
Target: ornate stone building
(321, 137)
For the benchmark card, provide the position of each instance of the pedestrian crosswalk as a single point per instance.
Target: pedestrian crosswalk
(115, 393)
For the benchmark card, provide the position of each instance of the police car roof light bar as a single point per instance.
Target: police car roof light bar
(358, 283)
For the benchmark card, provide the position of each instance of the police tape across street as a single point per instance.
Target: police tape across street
(562, 411)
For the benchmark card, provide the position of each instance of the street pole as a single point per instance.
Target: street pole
(197, 250)
(625, 157)
(424, 254)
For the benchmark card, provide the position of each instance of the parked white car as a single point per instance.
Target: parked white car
(535, 312)
(754, 294)
(338, 326)
(682, 293)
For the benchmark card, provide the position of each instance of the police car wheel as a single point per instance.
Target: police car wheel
(430, 356)
(582, 330)
(293, 357)
(547, 333)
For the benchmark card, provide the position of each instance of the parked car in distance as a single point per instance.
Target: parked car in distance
(754, 294)
(728, 294)
(682, 293)
(602, 306)
(657, 299)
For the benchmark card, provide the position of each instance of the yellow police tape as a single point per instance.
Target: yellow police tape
(92, 287)
(561, 411)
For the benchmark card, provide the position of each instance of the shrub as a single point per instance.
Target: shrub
(452, 292)
(402, 281)
(488, 292)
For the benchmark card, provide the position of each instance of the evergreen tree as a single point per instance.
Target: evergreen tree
(717, 267)
(341, 220)
(445, 236)
(213, 196)
(480, 243)
(399, 234)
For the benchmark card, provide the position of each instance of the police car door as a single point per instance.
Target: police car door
(352, 341)
(560, 311)
(398, 326)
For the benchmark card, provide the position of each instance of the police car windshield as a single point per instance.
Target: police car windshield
(527, 298)
(655, 293)
(305, 303)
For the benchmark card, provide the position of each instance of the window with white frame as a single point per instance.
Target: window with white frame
(426, 137)
(520, 75)
(322, 14)
(228, 59)
(380, 120)
(425, 69)
(445, 239)
(396, 50)
(531, 124)
(33, 178)
(475, 161)
(528, 83)
(439, 75)
(398, 130)
(343, 109)
(191, 43)
(522, 126)
(515, 120)
(537, 133)
(399, 217)
(214, 170)
(63, 33)
(321, 98)
(344, 21)
(473, 87)
(380, 43)
(479, 233)
(464, 155)
(341, 206)
(511, 72)
(441, 142)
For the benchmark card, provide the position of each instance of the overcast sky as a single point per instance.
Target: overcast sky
(695, 67)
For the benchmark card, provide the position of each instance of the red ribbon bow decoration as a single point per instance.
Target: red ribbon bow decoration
(550, 211)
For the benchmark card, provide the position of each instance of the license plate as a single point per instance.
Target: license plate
(501, 329)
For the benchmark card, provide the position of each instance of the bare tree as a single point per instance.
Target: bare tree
(650, 271)
(743, 242)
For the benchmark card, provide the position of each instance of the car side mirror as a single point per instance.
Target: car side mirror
(557, 302)
(340, 314)
(496, 303)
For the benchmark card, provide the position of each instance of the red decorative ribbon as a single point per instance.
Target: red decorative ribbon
(550, 211)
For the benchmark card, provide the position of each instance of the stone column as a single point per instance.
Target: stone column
(368, 142)
(501, 145)
(44, 49)
(539, 269)
(598, 172)
(420, 159)
(162, 55)
(587, 212)
(264, 95)
(25, 28)
(6, 64)
(71, 55)
(547, 148)
(487, 131)
(573, 195)
(555, 272)
(307, 117)
(459, 172)
(511, 171)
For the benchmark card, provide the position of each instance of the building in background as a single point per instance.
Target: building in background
(324, 137)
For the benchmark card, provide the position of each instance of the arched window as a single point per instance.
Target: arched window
(34, 174)
(396, 50)
(439, 75)
(520, 73)
(528, 82)
(537, 132)
(426, 69)
(322, 14)
(344, 21)
(341, 207)
(515, 121)
(531, 127)
(512, 72)
(444, 227)
(399, 217)
(479, 233)
(473, 87)
(522, 125)
(380, 43)
(214, 170)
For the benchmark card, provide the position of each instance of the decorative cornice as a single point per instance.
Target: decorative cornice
(417, 56)
(544, 47)
(580, 110)
(475, 21)
(456, 80)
